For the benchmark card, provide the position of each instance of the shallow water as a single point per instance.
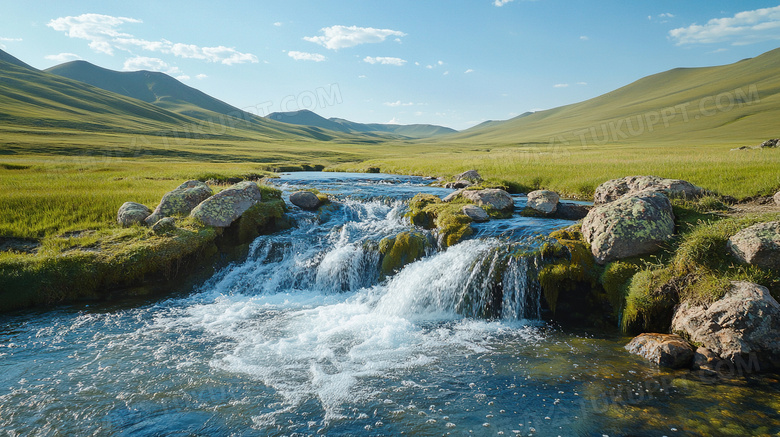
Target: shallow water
(302, 338)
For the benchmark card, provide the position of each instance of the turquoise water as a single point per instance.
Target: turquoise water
(303, 339)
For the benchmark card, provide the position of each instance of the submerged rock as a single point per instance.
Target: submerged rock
(744, 322)
(305, 200)
(475, 213)
(543, 201)
(494, 198)
(180, 201)
(758, 245)
(705, 359)
(223, 208)
(628, 186)
(571, 211)
(131, 213)
(665, 350)
(631, 226)
(469, 175)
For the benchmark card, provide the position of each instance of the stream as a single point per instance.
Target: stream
(303, 338)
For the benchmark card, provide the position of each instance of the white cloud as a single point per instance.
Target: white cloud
(561, 85)
(183, 77)
(398, 103)
(440, 62)
(500, 3)
(303, 56)
(584, 38)
(152, 64)
(63, 57)
(278, 24)
(339, 37)
(104, 36)
(362, 76)
(4, 39)
(201, 76)
(429, 66)
(446, 73)
(743, 28)
(666, 15)
(582, 83)
(468, 71)
(384, 60)
(394, 121)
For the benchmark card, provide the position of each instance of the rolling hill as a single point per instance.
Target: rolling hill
(736, 102)
(308, 118)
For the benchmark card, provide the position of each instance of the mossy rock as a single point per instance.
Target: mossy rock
(428, 211)
(403, 249)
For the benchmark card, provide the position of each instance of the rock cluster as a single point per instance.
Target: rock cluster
(494, 198)
(223, 208)
(180, 201)
(132, 213)
(775, 142)
(628, 186)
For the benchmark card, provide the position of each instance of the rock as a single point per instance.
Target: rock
(131, 213)
(494, 198)
(458, 184)
(571, 211)
(450, 197)
(305, 200)
(777, 198)
(665, 350)
(180, 201)
(745, 321)
(475, 213)
(705, 359)
(398, 251)
(758, 245)
(616, 188)
(544, 201)
(770, 143)
(164, 225)
(634, 225)
(470, 175)
(223, 208)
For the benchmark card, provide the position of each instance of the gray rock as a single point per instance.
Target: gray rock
(305, 200)
(225, 207)
(770, 143)
(164, 225)
(631, 226)
(131, 213)
(544, 201)
(777, 198)
(745, 321)
(475, 213)
(705, 359)
(571, 211)
(665, 350)
(469, 175)
(758, 245)
(180, 201)
(494, 198)
(450, 197)
(458, 184)
(616, 188)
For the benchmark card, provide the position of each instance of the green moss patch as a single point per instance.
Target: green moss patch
(429, 212)
(401, 250)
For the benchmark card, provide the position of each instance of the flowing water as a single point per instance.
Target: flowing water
(304, 339)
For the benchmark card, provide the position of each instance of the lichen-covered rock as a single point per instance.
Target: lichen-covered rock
(743, 322)
(777, 198)
(305, 200)
(616, 188)
(223, 208)
(475, 213)
(131, 213)
(450, 197)
(544, 201)
(398, 251)
(180, 201)
(758, 245)
(469, 175)
(458, 184)
(164, 225)
(494, 198)
(774, 142)
(665, 350)
(631, 226)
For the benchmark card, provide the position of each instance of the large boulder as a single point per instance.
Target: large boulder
(543, 201)
(616, 188)
(758, 244)
(571, 211)
(475, 213)
(131, 213)
(631, 226)
(469, 175)
(665, 350)
(305, 200)
(745, 321)
(180, 201)
(494, 198)
(223, 208)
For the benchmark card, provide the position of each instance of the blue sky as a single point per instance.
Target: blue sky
(453, 63)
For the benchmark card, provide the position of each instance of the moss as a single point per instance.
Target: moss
(401, 250)
(322, 197)
(615, 280)
(428, 211)
(419, 213)
(651, 298)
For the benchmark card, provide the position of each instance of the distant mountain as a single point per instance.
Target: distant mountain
(736, 102)
(5, 57)
(308, 118)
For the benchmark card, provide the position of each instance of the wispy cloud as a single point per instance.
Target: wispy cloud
(500, 3)
(4, 39)
(151, 64)
(384, 60)
(63, 57)
(104, 36)
(561, 85)
(303, 56)
(398, 103)
(278, 24)
(743, 28)
(582, 83)
(468, 71)
(201, 76)
(584, 38)
(339, 37)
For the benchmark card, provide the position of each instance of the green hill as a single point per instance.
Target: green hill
(410, 131)
(736, 102)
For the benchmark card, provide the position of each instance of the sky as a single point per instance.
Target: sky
(453, 63)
